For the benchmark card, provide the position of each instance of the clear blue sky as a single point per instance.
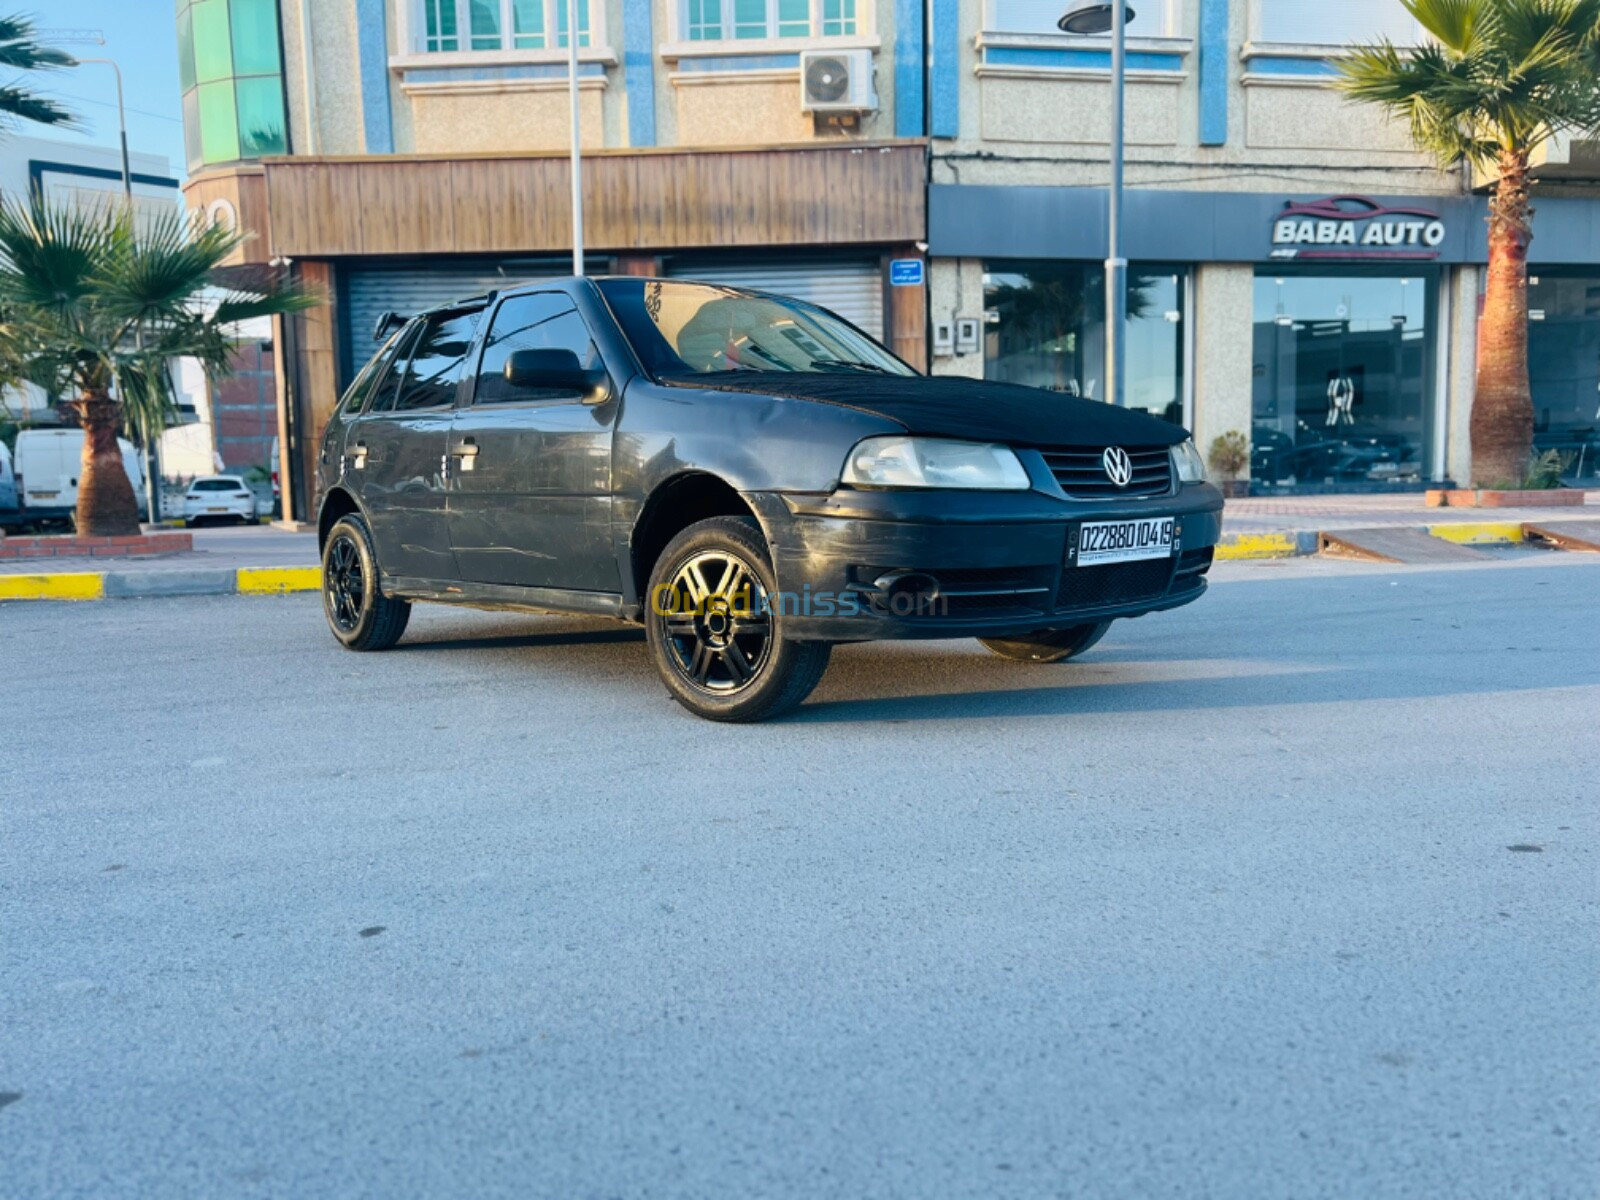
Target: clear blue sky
(142, 35)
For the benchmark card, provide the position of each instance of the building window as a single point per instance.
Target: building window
(453, 25)
(1153, 18)
(1564, 368)
(1045, 323)
(1350, 21)
(741, 20)
(231, 74)
(1343, 398)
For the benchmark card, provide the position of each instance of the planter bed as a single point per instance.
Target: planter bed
(134, 546)
(1489, 498)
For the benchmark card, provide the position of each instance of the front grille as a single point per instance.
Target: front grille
(1114, 583)
(1080, 470)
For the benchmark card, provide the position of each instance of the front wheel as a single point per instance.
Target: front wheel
(358, 612)
(715, 627)
(1048, 645)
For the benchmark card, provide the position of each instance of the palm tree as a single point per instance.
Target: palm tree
(1497, 80)
(20, 52)
(97, 304)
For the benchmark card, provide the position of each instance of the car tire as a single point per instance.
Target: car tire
(1048, 645)
(360, 616)
(728, 661)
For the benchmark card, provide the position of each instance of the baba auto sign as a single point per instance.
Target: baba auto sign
(1354, 227)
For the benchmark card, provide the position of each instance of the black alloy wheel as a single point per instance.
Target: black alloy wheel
(716, 636)
(717, 627)
(359, 614)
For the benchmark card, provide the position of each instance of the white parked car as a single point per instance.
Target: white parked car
(219, 498)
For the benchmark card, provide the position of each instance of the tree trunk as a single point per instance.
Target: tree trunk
(1502, 409)
(107, 506)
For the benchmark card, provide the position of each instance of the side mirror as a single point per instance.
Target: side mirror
(557, 371)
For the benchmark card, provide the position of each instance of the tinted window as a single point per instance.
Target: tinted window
(389, 381)
(429, 379)
(544, 321)
(356, 397)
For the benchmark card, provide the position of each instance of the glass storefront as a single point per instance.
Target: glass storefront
(1344, 364)
(1045, 327)
(1564, 368)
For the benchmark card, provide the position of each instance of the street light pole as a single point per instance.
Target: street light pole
(1091, 17)
(577, 152)
(122, 126)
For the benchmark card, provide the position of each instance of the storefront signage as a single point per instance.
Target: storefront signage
(1353, 227)
(905, 272)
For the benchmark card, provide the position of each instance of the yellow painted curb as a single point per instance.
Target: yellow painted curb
(84, 586)
(275, 581)
(1472, 533)
(1258, 545)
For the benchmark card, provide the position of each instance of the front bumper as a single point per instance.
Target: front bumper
(1003, 563)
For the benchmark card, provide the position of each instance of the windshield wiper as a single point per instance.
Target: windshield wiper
(839, 364)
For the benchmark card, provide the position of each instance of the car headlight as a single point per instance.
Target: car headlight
(1188, 464)
(912, 462)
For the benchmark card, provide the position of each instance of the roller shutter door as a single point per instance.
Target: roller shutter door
(854, 290)
(371, 291)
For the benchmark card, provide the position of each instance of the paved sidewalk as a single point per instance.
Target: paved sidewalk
(1284, 514)
(214, 549)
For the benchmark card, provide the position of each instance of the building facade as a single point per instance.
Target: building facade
(932, 169)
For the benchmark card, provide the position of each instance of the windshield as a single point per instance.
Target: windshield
(701, 329)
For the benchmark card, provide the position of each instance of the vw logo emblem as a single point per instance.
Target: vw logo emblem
(1119, 467)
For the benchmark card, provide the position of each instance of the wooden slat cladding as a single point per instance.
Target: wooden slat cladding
(633, 200)
(245, 189)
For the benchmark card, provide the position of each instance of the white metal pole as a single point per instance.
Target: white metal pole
(1116, 264)
(577, 152)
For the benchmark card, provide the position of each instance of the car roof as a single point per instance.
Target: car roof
(546, 283)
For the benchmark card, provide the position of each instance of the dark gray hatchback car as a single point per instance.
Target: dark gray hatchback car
(750, 477)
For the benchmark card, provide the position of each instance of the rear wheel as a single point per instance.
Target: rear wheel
(358, 612)
(1048, 645)
(716, 640)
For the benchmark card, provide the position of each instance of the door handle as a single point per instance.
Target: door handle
(358, 455)
(467, 451)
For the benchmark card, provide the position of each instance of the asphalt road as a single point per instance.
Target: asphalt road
(1292, 893)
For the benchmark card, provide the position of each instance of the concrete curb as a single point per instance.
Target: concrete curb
(136, 585)
(1288, 544)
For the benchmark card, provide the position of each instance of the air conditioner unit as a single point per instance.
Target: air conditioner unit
(836, 81)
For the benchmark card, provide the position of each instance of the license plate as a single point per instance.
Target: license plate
(1125, 541)
(43, 495)
(212, 510)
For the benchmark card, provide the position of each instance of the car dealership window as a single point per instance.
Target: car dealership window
(449, 26)
(1334, 24)
(1564, 365)
(1045, 328)
(1154, 18)
(742, 20)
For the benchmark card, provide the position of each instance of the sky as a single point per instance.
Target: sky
(142, 35)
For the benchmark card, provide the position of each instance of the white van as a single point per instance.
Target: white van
(47, 463)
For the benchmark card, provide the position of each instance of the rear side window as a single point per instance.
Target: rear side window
(542, 321)
(430, 377)
(385, 381)
(355, 399)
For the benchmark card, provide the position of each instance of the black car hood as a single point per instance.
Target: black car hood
(950, 406)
